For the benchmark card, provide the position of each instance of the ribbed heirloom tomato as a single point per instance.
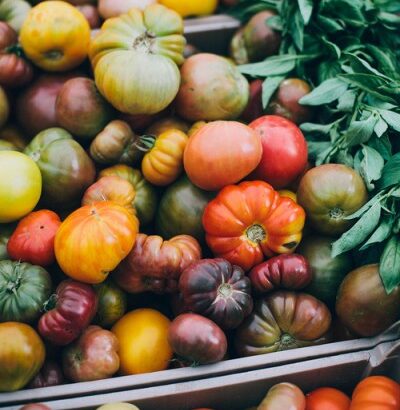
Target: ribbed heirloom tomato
(249, 221)
(327, 398)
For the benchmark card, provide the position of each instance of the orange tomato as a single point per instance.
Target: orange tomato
(94, 239)
(376, 393)
(327, 398)
(163, 163)
(55, 36)
(143, 339)
(288, 194)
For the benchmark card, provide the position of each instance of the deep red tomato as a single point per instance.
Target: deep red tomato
(33, 239)
(327, 398)
(284, 150)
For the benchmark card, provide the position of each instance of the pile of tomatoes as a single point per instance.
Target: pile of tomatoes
(147, 218)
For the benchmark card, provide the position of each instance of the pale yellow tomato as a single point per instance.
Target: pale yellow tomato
(118, 406)
(191, 7)
(20, 185)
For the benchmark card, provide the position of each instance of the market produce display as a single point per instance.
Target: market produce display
(164, 207)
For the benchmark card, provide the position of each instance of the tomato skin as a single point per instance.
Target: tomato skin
(50, 375)
(327, 398)
(33, 239)
(283, 396)
(22, 354)
(249, 221)
(221, 153)
(376, 393)
(143, 339)
(285, 151)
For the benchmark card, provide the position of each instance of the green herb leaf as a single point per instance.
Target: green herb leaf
(306, 9)
(330, 90)
(389, 268)
(270, 85)
(358, 232)
(346, 101)
(345, 158)
(382, 145)
(360, 132)
(380, 127)
(391, 172)
(370, 166)
(277, 65)
(317, 128)
(391, 118)
(381, 233)
(377, 198)
(315, 148)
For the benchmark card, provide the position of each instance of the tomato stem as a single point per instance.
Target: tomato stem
(225, 290)
(336, 213)
(256, 233)
(146, 143)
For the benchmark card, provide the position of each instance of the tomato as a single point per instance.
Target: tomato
(4, 107)
(143, 339)
(254, 107)
(167, 124)
(20, 185)
(281, 272)
(212, 88)
(14, 12)
(35, 406)
(327, 398)
(156, 265)
(288, 194)
(181, 209)
(14, 135)
(197, 340)
(6, 231)
(112, 303)
(218, 290)
(118, 406)
(50, 375)
(363, 305)
(163, 163)
(327, 272)
(285, 151)
(249, 221)
(283, 396)
(114, 8)
(55, 36)
(283, 320)
(24, 288)
(146, 196)
(111, 188)
(376, 393)
(33, 239)
(91, 14)
(22, 355)
(191, 7)
(221, 153)
(329, 193)
(94, 239)
(132, 51)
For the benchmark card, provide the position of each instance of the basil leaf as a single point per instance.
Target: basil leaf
(382, 145)
(345, 158)
(297, 30)
(391, 172)
(389, 267)
(391, 118)
(306, 9)
(332, 47)
(329, 25)
(270, 85)
(380, 127)
(277, 65)
(366, 206)
(361, 66)
(330, 90)
(360, 132)
(358, 232)
(371, 166)
(346, 101)
(317, 128)
(315, 148)
(275, 22)
(381, 233)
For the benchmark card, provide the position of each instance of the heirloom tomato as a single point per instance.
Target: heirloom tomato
(111, 188)
(290, 272)
(363, 305)
(135, 59)
(376, 393)
(68, 312)
(55, 36)
(33, 239)
(191, 7)
(181, 209)
(283, 320)
(221, 153)
(14, 12)
(143, 340)
(283, 396)
(20, 185)
(163, 162)
(249, 221)
(114, 8)
(284, 147)
(24, 288)
(50, 375)
(327, 398)
(145, 201)
(91, 14)
(254, 108)
(35, 406)
(156, 265)
(330, 193)
(94, 239)
(218, 290)
(118, 406)
(197, 340)
(167, 124)
(22, 354)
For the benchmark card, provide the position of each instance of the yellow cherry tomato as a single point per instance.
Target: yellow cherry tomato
(55, 36)
(20, 185)
(163, 163)
(143, 340)
(288, 194)
(191, 7)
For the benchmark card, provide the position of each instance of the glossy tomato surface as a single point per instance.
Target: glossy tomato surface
(283, 396)
(327, 398)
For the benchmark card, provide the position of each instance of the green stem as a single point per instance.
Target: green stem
(146, 143)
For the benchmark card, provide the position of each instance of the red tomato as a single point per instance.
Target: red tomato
(327, 398)
(284, 151)
(33, 239)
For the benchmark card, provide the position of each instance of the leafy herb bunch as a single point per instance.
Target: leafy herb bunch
(350, 51)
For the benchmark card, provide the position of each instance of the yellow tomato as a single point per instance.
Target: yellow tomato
(4, 107)
(288, 194)
(195, 127)
(143, 340)
(118, 406)
(191, 7)
(163, 164)
(55, 36)
(20, 185)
